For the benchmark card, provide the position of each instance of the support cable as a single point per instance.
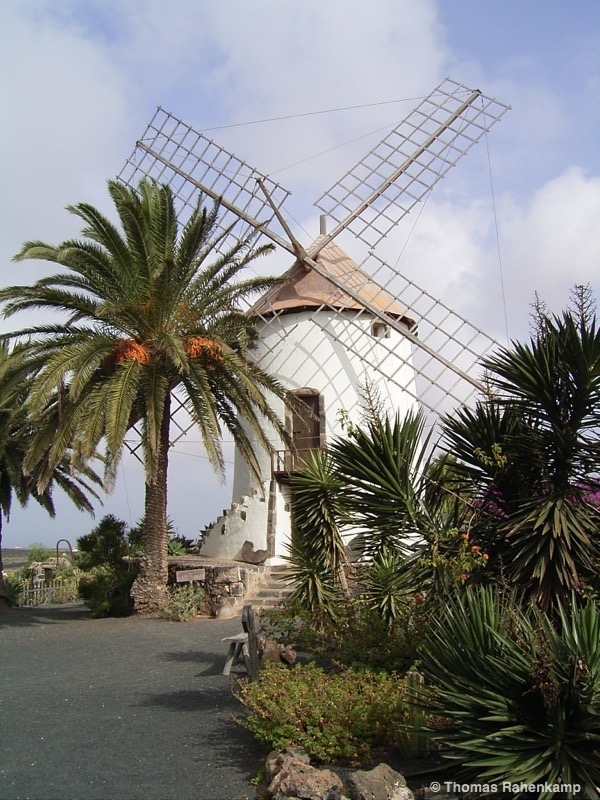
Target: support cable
(498, 250)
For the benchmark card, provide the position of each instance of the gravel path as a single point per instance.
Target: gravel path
(118, 709)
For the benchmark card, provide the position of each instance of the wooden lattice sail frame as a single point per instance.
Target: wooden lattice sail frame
(367, 203)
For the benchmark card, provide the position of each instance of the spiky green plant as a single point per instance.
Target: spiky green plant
(522, 692)
(317, 512)
(383, 466)
(529, 452)
(313, 581)
(385, 586)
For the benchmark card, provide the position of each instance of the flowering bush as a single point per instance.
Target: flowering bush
(456, 559)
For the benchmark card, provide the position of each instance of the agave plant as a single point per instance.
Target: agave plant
(522, 693)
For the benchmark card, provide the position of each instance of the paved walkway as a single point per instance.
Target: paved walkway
(118, 709)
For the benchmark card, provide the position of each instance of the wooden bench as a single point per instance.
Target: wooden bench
(244, 645)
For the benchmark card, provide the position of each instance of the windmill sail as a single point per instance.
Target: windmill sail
(368, 201)
(372, 197)
(172, 152)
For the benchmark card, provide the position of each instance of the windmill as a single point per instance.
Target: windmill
(370, 314)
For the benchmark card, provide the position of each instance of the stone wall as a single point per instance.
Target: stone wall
(226, 585)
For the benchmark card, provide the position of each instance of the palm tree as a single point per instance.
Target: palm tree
(152, 310)
(16, 435)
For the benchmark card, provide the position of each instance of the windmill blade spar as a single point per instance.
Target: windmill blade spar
(369, 201)
(372, 197)
(172, 152)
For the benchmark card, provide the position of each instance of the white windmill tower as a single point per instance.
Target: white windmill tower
(334, 324)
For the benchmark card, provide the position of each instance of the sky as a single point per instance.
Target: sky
(80, 79)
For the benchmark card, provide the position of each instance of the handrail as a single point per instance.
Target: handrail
(289, 461)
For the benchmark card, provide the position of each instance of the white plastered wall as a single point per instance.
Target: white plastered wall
(336, 355)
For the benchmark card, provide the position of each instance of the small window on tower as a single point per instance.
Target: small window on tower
(380, 330)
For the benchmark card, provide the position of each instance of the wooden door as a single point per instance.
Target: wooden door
(306, 426)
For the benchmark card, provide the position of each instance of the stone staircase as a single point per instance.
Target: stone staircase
(272, 589)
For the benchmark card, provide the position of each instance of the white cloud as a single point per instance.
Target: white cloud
(66, 115)
(547, 244)
(552, 242)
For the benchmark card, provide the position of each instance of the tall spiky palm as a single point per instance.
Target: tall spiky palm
(16, 434)
(152, 310)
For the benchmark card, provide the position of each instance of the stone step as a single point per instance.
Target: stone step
(274, 593)
(269, 602)
(272, 590)
(272, 583)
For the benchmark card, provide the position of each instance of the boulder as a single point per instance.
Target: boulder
(288, 655)
(251, 556)
(291, 777)
(277, 761)
(270, 650)
(380, 783)
(227, 609)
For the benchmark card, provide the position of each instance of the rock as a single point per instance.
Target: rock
(291, 776)
(288, 655)
(228, 608)
(252, 556)
(277, 761)
(270, 650)
(302, 781)
(430, 794)
(380, 783)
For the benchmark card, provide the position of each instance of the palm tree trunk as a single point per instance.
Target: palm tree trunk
(149, 592)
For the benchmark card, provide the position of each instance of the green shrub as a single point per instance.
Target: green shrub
(179, 546)
(106, 586)
(355, 635)
(12, 586)
(184, 602)
(335, 717)
(105, 590)
(105, 545)
(36, 553)
(522, 692)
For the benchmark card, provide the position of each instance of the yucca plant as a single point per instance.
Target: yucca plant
(313, 581)
(385, 587)
(530, 451)
(317, 513)
(522, 692)
(384, 466)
